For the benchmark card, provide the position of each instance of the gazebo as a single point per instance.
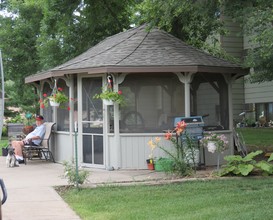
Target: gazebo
(161, 78)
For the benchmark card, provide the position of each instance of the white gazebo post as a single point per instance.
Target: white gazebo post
(186, 78)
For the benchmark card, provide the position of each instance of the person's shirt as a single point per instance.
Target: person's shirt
(38, 131)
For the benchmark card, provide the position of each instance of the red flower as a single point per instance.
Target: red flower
(45, 95)
(40, 100)
(180, 127)
(120, 92)
(60, 89)
(168, 135)
(68, 108)
(42, 105)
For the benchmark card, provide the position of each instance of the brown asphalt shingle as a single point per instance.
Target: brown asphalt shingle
(137, 50)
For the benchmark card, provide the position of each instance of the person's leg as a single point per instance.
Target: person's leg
(18, 148)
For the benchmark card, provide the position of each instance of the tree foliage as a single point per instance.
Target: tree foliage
(191, 21)
(41, 34)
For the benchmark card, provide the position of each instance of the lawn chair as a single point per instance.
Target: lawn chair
(42, 151)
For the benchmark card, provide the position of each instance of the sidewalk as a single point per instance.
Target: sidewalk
(31, 195)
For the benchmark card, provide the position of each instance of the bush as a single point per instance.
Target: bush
(244, 166)
(71, 174)
(4, 131)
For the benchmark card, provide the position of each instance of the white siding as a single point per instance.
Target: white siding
(135, 150)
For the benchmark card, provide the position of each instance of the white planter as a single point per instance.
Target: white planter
(211, 146)
(54, 104)
(108, 102)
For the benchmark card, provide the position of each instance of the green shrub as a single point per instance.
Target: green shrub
(4, 131)
(244, 166)
(71, 174)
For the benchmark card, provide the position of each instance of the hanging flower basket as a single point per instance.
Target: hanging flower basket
(54, 104)
(56, 99)
(109, 96)
(107, 102)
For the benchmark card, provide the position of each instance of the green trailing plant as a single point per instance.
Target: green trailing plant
(72, 176)
(244, 166)
(110, 95)
(57, 96)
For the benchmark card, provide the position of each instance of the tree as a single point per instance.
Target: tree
(41, 34)
(18, 44)
(71, 27)
(190, 21)
(256, 18)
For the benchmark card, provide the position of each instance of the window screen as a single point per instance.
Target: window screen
(152, 102)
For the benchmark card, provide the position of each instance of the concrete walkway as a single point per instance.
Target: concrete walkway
(31, 195)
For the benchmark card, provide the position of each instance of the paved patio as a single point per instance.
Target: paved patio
(31, 195)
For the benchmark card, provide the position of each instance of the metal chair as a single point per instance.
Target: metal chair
(42, 150)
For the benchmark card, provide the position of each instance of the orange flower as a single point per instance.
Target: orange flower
(180, 127)
(168, 135)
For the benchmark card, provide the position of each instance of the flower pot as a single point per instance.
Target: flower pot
(150, 164)
(211, 146)
(108, 102)
(54, 104)
(27, 129)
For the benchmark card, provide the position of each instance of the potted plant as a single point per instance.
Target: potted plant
(151, 160)
(215, 143)
(28, 123)
(109, 96)
(56, 99)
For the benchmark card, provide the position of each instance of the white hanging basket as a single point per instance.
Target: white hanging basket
(108, 102)
(54, 104)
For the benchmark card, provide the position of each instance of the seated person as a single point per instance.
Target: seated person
(35, 137)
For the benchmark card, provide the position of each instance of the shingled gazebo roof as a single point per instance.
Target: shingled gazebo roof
(138, 50)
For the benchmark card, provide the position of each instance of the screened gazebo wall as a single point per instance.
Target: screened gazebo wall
(209, 98)
(152, 102)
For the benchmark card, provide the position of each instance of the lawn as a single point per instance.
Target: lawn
(3, 143)
(258, 138)
(232, 198)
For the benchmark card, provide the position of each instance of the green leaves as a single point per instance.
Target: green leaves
(191, 21)
(244, 166)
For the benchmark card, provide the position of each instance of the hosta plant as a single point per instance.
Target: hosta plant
(244, 166)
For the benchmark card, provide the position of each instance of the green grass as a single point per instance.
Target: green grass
(3, 143)
(258, 138)
(234, 198)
